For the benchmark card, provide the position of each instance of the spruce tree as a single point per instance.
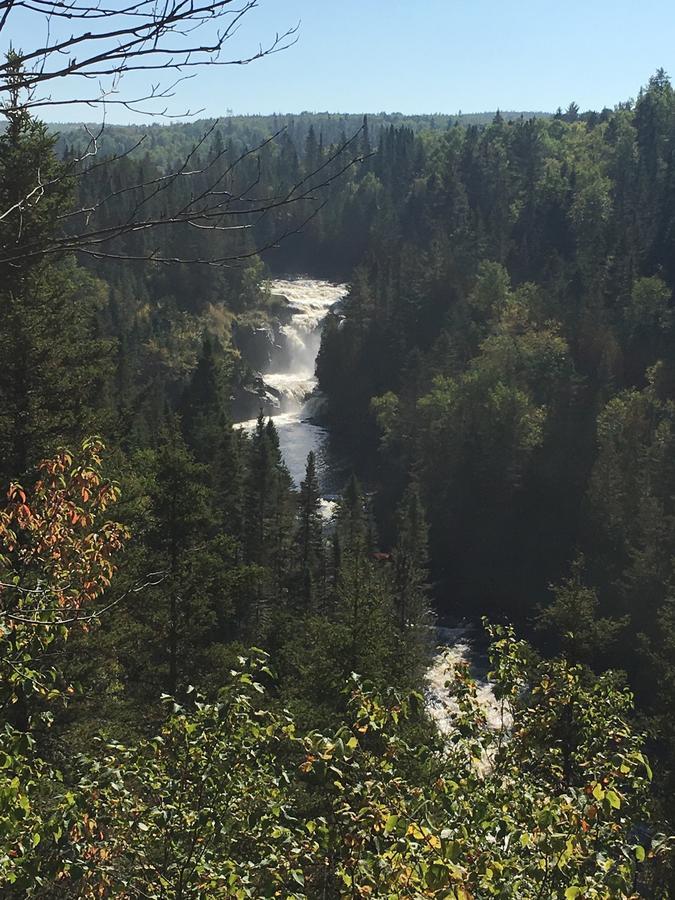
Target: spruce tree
(54, 363)
(178, 616)
(309, 558)
(352, 523)
(410, 561)
(228, 473)
(205, 403)
(268, 511)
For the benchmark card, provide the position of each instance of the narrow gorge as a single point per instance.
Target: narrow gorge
(290, 396)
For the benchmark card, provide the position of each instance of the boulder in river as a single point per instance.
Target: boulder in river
(253, 395)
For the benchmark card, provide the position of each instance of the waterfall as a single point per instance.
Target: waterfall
(291, 375)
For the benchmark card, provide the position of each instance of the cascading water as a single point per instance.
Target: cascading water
(455, 646)
(293, 379)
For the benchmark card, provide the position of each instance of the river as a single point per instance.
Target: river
(292, 375)
(455, 646)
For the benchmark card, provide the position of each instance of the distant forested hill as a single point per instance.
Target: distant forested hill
(160, 141)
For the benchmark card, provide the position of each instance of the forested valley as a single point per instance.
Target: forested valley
(212, 682)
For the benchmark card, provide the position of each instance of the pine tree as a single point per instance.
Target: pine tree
(268, 511)
(228, 476)
(205, 403)
(410, 561)
(365, 147)
(312, 152)
(179, 528)
(54, 364)
(352, 525)
(309, 560)
(363, 608)
(353, 543)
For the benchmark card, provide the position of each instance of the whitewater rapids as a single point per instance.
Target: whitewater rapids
(292, 376)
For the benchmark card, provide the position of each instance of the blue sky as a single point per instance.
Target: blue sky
(438, 56)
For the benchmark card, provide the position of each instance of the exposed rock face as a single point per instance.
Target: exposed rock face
(266, 344)
(251, 396)
(283, 309)
(257, 345)
(261, 346)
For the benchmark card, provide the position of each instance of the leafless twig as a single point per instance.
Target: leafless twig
(102, 42)
(152, 579)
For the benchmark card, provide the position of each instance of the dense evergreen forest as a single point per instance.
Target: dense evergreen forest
(509, 340)
(209, 690)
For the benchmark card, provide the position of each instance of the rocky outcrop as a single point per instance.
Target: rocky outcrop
(251, 395)
(261, 345)
(256, 344)
(264, 341)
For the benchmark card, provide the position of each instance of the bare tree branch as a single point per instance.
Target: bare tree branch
(108, 42)
(147, 36)
(212, 209)
(44, 614)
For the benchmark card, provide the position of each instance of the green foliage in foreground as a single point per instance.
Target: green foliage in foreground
(228, 796)
(230, 800)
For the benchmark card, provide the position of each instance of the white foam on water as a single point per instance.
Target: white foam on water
(455, 648)
(310, 301)
(328, 509)
(294, 388)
